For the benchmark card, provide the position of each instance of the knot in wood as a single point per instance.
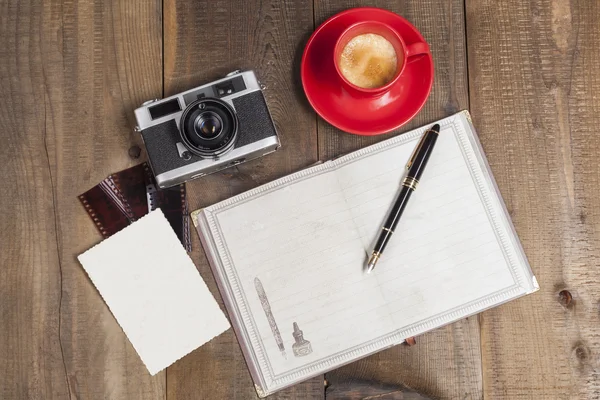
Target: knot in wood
(565, 298)
(134, 152)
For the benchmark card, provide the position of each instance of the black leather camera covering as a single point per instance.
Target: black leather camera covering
(254, 124)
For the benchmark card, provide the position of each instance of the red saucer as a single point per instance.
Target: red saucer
(354, 113)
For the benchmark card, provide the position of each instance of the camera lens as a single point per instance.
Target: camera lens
(208, 127)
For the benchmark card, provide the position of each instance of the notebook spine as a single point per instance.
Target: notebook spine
(200, 222)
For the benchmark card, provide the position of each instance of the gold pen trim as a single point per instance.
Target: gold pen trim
(418, 147)
(387, 229)
(415, 152)
(373, 261)
(410, 182)
(374, 257)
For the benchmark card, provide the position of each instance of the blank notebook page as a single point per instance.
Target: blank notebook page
(444, 252)
(306, 239)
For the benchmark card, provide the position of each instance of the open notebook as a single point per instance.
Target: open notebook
(289, 256)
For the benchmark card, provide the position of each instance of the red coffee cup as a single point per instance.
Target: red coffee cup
(403, 52)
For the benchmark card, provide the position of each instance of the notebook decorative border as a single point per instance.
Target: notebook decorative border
(483, 180)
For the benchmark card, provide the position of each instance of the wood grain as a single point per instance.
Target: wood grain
(534, 84)
(445, 363)
(71, 75)
(204, 41)
(359, 390)
(72, 72)
(31, 363)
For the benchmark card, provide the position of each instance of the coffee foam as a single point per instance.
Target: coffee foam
(368, 61)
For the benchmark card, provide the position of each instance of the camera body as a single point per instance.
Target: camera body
(206, 129)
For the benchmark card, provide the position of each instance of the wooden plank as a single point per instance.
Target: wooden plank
(534, 83)
(31, 365)
(204, 41)
(353, 389)
(71, 74)
(446, 362)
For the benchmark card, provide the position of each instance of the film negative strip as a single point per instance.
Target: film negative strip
(173, 203)
(126, 196)
(107, 216)
(109, 187)
(131, 182)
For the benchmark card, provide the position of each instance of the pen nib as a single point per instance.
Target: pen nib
(372, 261)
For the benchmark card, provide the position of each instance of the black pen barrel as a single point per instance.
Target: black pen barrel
(393, 218)
(409, 185)
(422, 157)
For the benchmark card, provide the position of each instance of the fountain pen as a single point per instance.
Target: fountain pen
(415, 166)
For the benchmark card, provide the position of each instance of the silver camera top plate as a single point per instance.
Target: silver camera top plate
(216, 88)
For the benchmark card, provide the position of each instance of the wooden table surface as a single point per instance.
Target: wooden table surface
(71, 73)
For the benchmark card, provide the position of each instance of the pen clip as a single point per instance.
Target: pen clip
(416, 151)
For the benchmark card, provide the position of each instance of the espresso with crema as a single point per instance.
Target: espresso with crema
(368, 61)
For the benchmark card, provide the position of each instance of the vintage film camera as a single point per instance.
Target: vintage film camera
(206, 129)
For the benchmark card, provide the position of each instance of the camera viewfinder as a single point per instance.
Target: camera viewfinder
(229, 87)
